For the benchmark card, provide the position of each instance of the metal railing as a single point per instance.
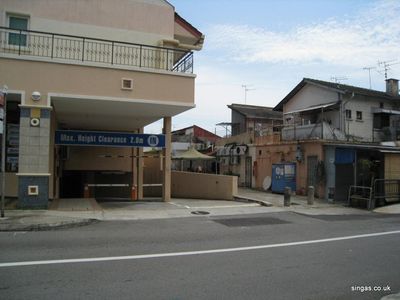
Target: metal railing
(363, 193)
(386, 134)
(386, 189)
(85, 49)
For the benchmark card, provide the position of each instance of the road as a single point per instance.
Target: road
(281, 255)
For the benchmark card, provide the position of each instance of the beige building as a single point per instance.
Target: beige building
(84, 78)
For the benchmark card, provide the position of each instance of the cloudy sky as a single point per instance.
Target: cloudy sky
(270, 45)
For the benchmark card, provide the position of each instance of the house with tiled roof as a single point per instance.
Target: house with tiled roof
(252, 118)
(337, 136)
(317, 109)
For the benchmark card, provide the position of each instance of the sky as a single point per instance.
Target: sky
(271, 45)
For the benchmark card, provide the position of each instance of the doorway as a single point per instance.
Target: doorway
(248, 171)
(344, 177)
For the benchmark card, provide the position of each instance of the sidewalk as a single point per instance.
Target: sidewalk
(298, 203)
(65, 213)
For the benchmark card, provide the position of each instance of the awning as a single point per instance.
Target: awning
(377, 110)
(344, 156)
(314, 107)
(193, 154)
(390, 151)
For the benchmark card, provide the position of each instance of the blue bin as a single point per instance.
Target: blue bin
(283, 175)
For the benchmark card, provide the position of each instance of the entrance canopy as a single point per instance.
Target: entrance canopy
(98, 113)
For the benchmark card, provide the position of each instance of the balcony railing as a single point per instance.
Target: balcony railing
(312, 131)
(30, 43)
(386, 134)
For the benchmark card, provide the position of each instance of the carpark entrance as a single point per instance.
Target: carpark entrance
(101, 165)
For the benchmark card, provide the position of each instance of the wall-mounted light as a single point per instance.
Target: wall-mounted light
(36, 96)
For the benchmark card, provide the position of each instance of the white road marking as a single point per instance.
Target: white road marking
(201, 252)
(179, 205)
(225, 206)
(176, 204)
(216, 206)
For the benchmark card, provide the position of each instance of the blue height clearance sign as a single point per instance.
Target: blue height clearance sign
(114, 139)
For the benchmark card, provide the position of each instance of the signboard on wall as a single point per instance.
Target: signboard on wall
(113, 139)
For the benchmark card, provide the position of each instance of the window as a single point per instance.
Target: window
(348, 114)
(359, 115)
(20, 23)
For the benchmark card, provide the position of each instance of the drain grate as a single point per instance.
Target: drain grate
(200, 212)
(244, 222)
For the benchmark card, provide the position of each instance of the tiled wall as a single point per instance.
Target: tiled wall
(34, 157)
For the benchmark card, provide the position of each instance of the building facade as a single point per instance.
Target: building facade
(103, 67)
(337, 136)
(250, 125)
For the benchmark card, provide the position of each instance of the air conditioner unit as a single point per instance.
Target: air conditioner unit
(240, 150)
(226, 151)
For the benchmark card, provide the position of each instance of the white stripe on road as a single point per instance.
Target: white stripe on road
(215, 206)
(172, 254)
(225, 206)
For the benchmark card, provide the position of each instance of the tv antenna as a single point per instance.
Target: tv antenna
(246, 89)
(338, 79)
(386, 65)
(369, 74)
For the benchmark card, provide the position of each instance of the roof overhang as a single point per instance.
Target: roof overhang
(101, 113)
(311, 108)
(380, 148)
(298, 87)
(390, 151)
(377, 110)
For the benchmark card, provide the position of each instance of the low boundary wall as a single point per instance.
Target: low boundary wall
(203, 186)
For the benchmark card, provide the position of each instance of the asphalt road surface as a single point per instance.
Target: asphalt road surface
(260, 256)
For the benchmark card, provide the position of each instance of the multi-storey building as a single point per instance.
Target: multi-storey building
(336, 135)
(90, 73)
(317, 109)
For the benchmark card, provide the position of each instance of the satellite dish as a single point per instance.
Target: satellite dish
(266, 183)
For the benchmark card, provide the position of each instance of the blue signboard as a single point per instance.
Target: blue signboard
(115, 139)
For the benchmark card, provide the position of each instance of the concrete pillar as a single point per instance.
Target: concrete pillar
(166, 192)
(34, 156)
(140, 163)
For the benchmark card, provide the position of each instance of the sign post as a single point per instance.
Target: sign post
(3, 107)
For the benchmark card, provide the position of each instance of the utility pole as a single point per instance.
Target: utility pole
(3, 107)
(246, 89)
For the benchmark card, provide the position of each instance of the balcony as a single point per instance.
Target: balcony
(30, 44)
(386, 134)
(312, 131)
